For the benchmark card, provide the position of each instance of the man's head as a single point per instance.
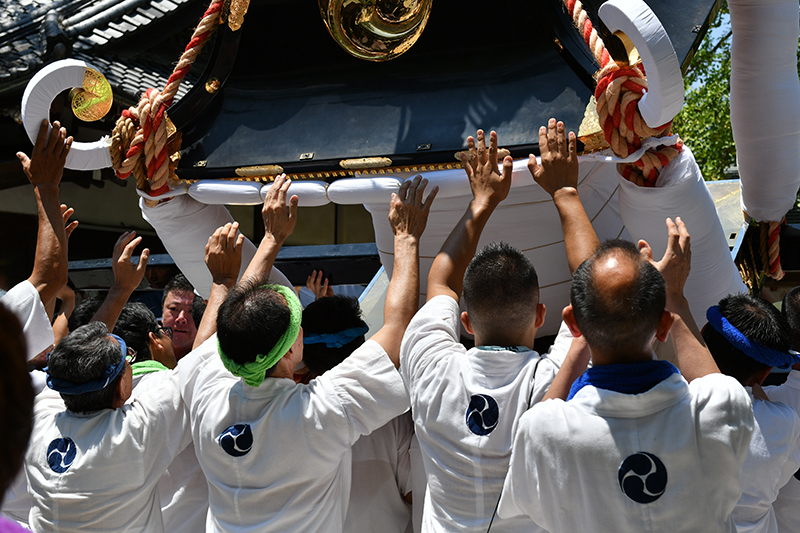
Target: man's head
(332, 330)
(759, 324)
(138, 326)
(83, 312)
(88, 368)
(618, 301)
(501, 294)
(177, 313)
(16, 399)
(791, 311)
(254, 323)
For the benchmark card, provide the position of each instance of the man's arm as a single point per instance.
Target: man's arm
(408, 215)
(279, 223)
(558, 175)
(44, 170)
(575, 364)
(127, 276)
(692, 355)
(60, 328)
(223, 259)
(489, 188)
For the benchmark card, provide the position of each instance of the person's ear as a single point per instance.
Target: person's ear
(664, 325)
(466, 323)
(541, 313)
(119, 393)
(154, 341)
(568, 315)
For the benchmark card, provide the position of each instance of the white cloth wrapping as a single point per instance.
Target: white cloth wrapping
(381, 478)
(787, 505)
(309, 193)
(527, 219)
(23, 302)
(39, 94)
(217, 192)
(765, 104)
(110, 485)
(184, 225)
(465, 470)
(568, 457)
(664, 96)
(773, 459)
(292, 467)
(681, 191)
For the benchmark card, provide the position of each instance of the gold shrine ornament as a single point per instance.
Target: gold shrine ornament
(93, 99)
(375, 30)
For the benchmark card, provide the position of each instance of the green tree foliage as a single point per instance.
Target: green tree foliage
(704, 123)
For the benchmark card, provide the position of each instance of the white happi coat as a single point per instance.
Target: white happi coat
(666, 460)
(24, 303)
(182, 489)
(98, 472)
(381, 479)
(277, 456)
(466, 406)
(787, 506)
(773, 459)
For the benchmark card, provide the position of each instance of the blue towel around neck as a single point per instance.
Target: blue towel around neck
(633, 378)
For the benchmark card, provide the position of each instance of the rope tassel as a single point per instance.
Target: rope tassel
(143, 130)
(619, 89)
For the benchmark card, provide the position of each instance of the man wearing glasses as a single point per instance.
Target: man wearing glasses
(95, 465)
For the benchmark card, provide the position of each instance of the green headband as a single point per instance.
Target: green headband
(253, 372)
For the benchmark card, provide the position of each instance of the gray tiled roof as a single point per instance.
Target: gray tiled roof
(134, 80)
(31, 29)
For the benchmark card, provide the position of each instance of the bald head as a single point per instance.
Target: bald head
(617, 298)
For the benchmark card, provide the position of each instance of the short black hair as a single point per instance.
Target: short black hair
(330, 315)
(501, 290)
(179, 283)
(251, 321)
(632, 316)
(81, 357)
(83, 312)
(16, 399)
(198, 309)
(790, 309)
(756, 319)
(134, 325)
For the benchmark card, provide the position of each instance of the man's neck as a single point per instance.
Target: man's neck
(621, 357)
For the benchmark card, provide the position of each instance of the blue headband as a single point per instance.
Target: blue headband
(67, 387)
(336, 340)
(759, 352)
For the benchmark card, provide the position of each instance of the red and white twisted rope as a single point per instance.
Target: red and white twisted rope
(619, 89)
(142, 130)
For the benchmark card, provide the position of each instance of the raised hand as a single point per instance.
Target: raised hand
(224, 254)
(317, 283)
(559, 168)
(46, 164)
(408, 213)
(69, 227)
(279, 219)
(676, 263)
(488, 185)
(127, 275)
